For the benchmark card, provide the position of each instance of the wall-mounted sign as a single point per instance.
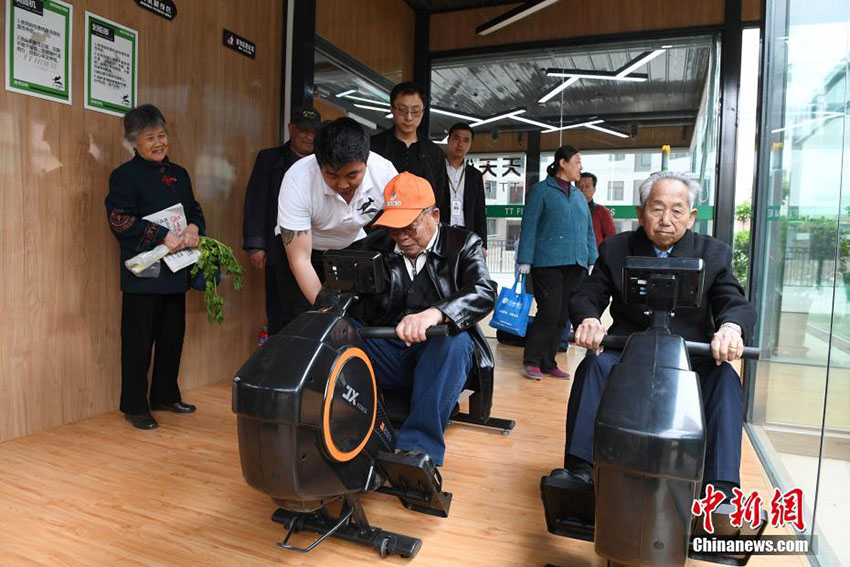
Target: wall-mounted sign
(111, 66)
(38, 48)
(238, 43)
(164, 8)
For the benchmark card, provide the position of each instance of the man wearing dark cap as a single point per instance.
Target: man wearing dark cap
(264, 247)
(436, 274)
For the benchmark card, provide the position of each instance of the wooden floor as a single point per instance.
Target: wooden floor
(98, 492)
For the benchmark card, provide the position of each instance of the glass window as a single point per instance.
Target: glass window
(799, 391)
(643, 162)
(490, 190)
(615, 190)
(616, 157)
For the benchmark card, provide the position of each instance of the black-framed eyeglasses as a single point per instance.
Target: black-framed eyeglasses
(412, 112)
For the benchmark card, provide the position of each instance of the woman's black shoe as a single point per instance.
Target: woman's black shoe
(176, 407)
(141, 420)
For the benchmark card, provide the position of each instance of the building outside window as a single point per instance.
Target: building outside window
(643, 162)
(615, 190)
(799, 391)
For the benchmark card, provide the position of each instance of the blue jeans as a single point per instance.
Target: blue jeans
(434, 373)
(722, 400)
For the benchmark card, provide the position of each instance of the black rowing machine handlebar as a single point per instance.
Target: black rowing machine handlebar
(694, 348)
(389, 332)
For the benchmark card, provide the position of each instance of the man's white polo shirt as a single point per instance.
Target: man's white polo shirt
(307, 203)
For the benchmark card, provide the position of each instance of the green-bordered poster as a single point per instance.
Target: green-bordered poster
(111, 66)
(38, 48)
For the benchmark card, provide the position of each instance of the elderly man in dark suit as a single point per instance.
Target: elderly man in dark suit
(725, 319)
(259, 220)
(436, 274)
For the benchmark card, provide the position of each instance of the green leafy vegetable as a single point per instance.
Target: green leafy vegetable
(214, 256)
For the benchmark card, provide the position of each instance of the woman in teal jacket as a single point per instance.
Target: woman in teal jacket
(556, 245)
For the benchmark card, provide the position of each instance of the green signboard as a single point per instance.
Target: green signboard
(111, 66)
(38, 48)
(619, 212)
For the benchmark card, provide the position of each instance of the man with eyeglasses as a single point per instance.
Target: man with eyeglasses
(407, 150)
(435, 274)
(325, 201)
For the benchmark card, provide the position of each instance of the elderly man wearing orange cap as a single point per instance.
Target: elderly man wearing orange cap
(435, 274)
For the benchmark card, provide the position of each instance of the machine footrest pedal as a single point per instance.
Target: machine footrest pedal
(570, 507)
(505, 426)
(415, 480)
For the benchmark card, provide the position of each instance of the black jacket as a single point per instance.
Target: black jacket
(722, 300)
(259, 215)
(474, 209)
(457, 268)
(137, 189)
(431, 164)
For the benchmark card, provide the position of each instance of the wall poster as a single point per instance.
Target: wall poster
(38, 48)
(111, 84)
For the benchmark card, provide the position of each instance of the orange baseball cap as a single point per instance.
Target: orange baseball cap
(405, 197)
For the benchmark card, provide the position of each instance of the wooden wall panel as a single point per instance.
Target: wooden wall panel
(576, 18)
(378, 33)
(751, 10)
(60, 299)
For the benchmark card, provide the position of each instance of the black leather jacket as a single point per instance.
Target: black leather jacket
(457, 267)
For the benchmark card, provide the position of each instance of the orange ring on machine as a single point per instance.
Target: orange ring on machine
(335, 452)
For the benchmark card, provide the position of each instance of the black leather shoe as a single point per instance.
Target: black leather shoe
(575, 469)
(141, 420)
(176, 407)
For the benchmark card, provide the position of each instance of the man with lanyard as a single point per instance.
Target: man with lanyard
(326, 199)
(407, 150)
(259, 224)
(466, 184)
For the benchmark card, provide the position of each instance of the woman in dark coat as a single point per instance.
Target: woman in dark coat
(154, 308)
(556, 245)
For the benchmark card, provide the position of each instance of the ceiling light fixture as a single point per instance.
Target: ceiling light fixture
(641, 60)
(595, 75)
(529, 121)
(346, 93)
(826, 116)
(369, 100)
(498, 117)
(608, 131)
(443, 141)
(367, 107)
(363, 121)
(513, 15)
(571, 126)
(454, 114)
(548, 96)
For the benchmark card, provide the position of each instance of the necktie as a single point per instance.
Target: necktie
(663, 254)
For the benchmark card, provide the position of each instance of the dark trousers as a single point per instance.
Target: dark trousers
(434, 372)
(287, 302)
(553, 287)
(722, 400)
(149, 319)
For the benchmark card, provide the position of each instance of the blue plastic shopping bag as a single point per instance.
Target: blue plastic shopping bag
(511, 313)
